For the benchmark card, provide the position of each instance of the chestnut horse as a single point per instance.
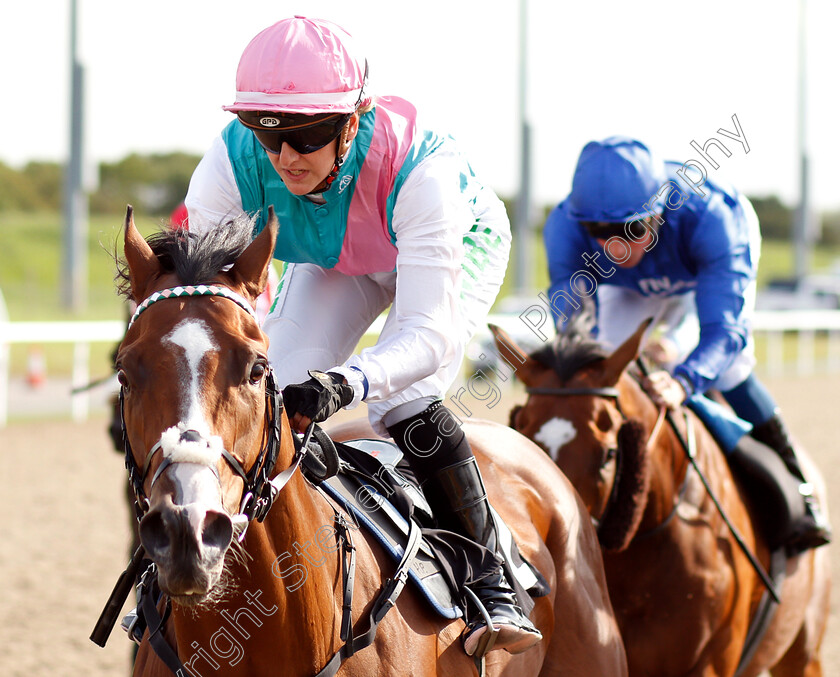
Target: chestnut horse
(209, 448)
(683, 592)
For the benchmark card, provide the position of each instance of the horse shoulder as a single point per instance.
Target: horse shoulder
(554, 532)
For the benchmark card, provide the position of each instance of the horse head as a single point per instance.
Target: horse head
(198, 404)
(584, 411)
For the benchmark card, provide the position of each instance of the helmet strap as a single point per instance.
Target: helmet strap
(341, 152)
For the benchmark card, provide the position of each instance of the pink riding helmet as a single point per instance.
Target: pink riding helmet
(301, 65)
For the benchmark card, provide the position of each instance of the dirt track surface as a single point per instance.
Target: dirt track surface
(65, 525)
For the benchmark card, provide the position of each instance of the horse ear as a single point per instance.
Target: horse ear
(615, 364)
(527, 369)
(143, 265)
(251, 268)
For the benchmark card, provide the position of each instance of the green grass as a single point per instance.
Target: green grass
(31, 276)
(31, 264)
(777, 261)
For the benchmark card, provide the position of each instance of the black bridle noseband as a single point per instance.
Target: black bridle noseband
(595, 392)
(258, 492)
(608, 393)
(259, 489)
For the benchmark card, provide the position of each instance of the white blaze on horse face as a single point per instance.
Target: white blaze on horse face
(194, 480)
(554, 434)
(196, 341)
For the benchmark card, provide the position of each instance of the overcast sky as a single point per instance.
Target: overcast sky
(669, 73)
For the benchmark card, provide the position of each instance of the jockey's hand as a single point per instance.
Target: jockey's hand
(316, 399)
(664, 390)
(661, 352)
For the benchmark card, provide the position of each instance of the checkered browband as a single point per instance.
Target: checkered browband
(193, 290)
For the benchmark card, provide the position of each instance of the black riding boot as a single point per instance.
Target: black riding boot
(813, 530)
(443, 462)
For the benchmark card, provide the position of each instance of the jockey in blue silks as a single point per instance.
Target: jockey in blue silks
(644, 239)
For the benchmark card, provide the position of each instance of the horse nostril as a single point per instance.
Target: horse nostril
(190, 436)
(153, 534)
(217, 530)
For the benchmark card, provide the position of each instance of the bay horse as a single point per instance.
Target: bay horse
(251, 557)
(682, 590)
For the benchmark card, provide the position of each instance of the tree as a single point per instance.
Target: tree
(775, 218)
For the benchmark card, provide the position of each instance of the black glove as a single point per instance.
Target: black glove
(319, 397)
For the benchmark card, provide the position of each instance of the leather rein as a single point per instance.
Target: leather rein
(258, 496)
(259, 489)
(689, 445)
(613, 394)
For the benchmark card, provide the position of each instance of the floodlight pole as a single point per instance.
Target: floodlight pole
(75, 260)
(522, 223)
(803, 233)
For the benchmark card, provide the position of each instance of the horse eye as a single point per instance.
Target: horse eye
(122, 378)
(257, 372)
(610, 455)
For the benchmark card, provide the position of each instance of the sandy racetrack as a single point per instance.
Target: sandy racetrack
(65, 525)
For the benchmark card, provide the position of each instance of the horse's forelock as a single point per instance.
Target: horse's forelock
(574, 348)
(196, 258)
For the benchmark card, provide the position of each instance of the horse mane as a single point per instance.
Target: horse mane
(195, 258)
(574, 347)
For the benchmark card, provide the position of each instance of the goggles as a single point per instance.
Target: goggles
(603, 230)
(304, 133)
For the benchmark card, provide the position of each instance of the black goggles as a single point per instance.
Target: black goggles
(604, 230)
(304, 133)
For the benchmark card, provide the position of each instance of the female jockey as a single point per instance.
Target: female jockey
(671, 248)
(374, 211)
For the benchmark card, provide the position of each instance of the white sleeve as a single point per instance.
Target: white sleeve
(430, 218)
(213, 196)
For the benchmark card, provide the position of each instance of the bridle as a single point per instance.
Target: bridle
(258, 496)
(595, 392)
(614, 394)
(259, 490)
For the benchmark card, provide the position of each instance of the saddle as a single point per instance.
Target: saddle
(373, 486)
(769, 487)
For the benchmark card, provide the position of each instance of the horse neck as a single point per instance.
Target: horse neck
(667, 459)
(287, 591)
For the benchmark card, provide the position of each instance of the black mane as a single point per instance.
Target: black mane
(194, 258)
(573, 348)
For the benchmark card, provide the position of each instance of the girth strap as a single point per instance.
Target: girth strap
(387, 598)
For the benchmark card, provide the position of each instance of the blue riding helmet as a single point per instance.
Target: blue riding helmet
(614, 180)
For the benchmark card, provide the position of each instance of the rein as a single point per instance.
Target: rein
(258, 496)
(613, 394)
(690, 452)
(259, 491)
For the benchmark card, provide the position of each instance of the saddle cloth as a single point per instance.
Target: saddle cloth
(364, 496)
